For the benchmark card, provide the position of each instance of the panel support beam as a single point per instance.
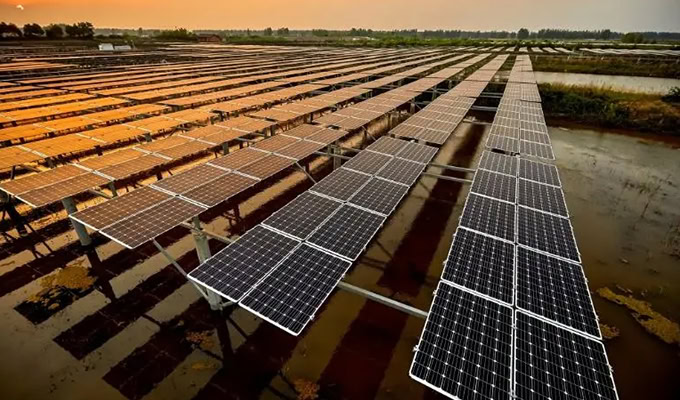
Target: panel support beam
(213, 299)
(416, 312)
(447, 178)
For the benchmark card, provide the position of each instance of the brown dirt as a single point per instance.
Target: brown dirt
(306, 390)
(73, 277)
(652, 321)
(204, 365)
(609, 332)
(202, 339)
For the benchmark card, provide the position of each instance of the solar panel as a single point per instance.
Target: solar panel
(327, 136)
(498, 186)
(380, 196)
(539, 172)
(341, 184)
(465, 350)
(500, 163)
(482, 264)
(536, 150)
(238, 159)
(402, 171)
(503, 143)
(367, 162)
(387, 145)
(418, 152)
(303, 131)
(238, 267)
(300, 150)
(489, 216)
(347, 232)
(221, 189)
(556, 290)
(189, 179)
(120, 207)
(290, 296)
(554, 363)
(542, 197)
(142, 227)
(547, 233)
(49, 194)
(302, 216)
(267, 166)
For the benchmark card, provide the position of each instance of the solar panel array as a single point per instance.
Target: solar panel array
(512, 316)
(316, 237)
(436, 121)
(519, 125)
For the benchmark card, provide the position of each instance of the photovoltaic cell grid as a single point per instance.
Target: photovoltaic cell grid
(554, 363)
(379, 195)
(142, 227)
(341, 184)
(302, 216)
(465, 349)
(500, 163)
(541, 197)
(120, 207)
(497, 186)
(547, 233)
(539, 172)
(401, 171)
(482, 264)
(367, 162)
(556, 290)
(489, 216)
(347, 232)
(238, 267)
(290, 296)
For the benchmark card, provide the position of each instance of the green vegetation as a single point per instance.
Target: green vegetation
(611, 109)
(180, 34)
(607, 66)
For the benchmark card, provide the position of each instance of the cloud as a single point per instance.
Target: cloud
(20, 7)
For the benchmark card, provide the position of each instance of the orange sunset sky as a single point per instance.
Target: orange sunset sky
(622, 15)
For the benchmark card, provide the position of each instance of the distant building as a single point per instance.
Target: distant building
(106, 47)
(209, 37)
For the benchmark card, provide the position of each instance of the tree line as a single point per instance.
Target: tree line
(79, 30)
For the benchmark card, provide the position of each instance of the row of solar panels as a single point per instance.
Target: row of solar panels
(285, 268)
(435, 122)
(37, 193)
(132, 227)
(512, 316)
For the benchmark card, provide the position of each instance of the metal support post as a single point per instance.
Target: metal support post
(80, 229)
(311, 178)
(225, 148)
(112, 188)
(416, 312)
(336, 160)
(147, 137)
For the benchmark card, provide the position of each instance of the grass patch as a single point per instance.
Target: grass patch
(608, 66)
(611, 109)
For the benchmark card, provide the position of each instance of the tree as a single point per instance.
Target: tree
(268, 32)
(605, 34)
(81, 30)
(54, 32)
(632, 37)
(523, 33)
(9, 30)
(282, 32)
(33, 30)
